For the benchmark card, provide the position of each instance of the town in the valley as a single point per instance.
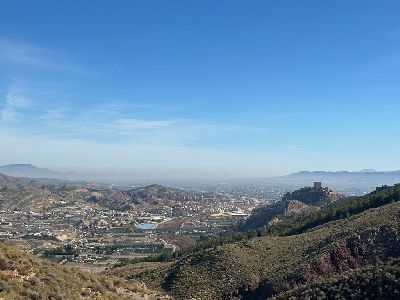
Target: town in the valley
(95, 228)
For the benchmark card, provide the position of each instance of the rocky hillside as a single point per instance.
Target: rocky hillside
(261, 267)
(30, 171)
(18, 183)
(23, 276)
(35, 195)
(34, 199)
(155, 194)
(275, 213)
(126, 199)
(111, 198)
(292, 205)
(312, 196)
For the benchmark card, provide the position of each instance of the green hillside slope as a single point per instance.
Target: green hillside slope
(381, 281)
(264, 266)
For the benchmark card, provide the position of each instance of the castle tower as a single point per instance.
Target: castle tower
(317, 185)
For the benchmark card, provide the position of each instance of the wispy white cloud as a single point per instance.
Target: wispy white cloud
(128, 124)
(14, 102)
(113, 124)
(25, 54)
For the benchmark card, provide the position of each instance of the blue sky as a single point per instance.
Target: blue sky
(164, 89)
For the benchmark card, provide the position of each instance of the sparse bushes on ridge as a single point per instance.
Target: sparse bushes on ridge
(381, 281)
(23, 276)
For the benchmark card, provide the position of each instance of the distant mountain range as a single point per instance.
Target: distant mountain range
(30, 171)
(366, 178)
(369, 171)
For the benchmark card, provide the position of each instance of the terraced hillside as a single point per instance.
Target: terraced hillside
(264, 266)
(23, 276)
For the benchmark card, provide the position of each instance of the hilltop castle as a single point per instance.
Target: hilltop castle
(326, 190)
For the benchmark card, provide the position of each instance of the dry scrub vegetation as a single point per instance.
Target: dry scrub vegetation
(23, 276)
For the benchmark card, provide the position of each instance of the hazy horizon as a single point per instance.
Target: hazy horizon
(132, 176)
(216, 89)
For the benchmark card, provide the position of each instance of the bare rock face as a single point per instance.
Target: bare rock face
(295, 207)
(356, 251)
(276, 213)
(291, 209)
